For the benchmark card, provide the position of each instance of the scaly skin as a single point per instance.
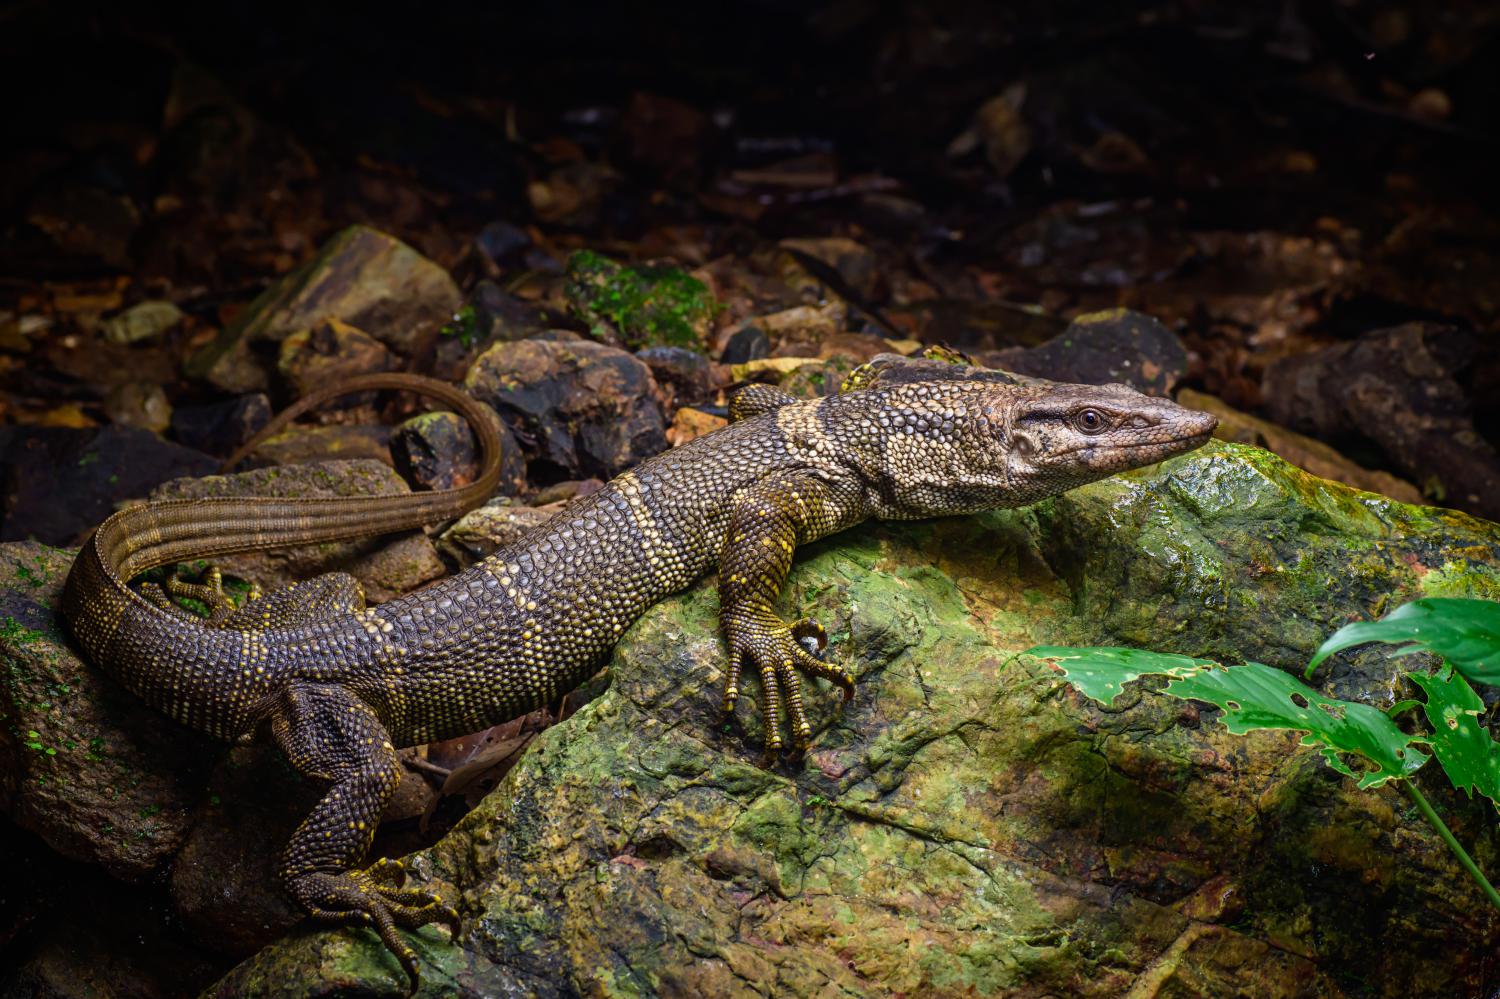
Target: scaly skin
(341, 686)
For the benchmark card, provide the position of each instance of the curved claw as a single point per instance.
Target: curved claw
(811, 636)
(778, 653)
(375, 898)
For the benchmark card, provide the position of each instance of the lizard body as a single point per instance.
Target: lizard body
(341, 686)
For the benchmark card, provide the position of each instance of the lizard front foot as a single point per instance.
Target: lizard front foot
(374, 897)
(775, 651)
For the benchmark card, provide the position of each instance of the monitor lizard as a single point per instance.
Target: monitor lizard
(340, 686)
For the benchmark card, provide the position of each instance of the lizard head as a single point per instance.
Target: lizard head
(936, 448)
(1058, 436)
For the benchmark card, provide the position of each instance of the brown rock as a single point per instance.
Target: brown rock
(1306, 453)
(224, 883)
(330, 351)
(361, 276)
(1100, 348)
(1401, 388)
(84, 763)
(219, 428)
(800, 329)
(89, 470)
(310, 445)
(139, 404)
(690, 423)
(579, 407)
(438, 451)
(485, 529)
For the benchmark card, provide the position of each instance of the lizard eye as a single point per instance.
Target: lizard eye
(1090, 421)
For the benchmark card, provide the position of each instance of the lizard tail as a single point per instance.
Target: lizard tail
(173, 662)
(160, 533)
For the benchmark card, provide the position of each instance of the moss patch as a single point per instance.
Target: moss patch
(641, 305)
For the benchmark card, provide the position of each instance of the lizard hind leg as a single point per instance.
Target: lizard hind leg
(330, 734)
(330, 595)
(209, 592)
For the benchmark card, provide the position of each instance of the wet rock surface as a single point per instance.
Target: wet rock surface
(1306, 453)
(576, 406)
(968, 825)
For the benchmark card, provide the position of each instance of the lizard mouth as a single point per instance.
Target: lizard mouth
(1176, 445)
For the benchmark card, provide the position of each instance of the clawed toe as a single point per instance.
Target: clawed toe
(778, 654)
(811, 636)
(209, 592)
(375, 898)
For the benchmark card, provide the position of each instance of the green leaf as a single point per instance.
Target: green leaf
(1101, 673)
(1464, 632)
(1461, 743)
(1253, 696)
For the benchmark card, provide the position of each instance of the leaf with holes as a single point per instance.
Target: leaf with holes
(1464, 632)
(1253, 696)
(1101, 673)
(1461, 743)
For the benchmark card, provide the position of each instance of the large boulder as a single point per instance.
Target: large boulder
(361, 276)
(84, 764)
(384, 566)
(968, 825)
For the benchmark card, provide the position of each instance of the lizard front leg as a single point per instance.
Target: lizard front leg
(766, 523)
(330, 734)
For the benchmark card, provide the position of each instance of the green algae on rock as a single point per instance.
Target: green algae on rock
(968, 825)
(91, 769)
(641, 305)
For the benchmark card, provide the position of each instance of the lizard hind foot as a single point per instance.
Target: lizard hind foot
(364, 898)
(209, 591)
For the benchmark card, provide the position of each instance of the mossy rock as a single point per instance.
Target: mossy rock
(968, 825)
(642, 306)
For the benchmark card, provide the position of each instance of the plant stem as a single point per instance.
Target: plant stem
(1453, 844)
